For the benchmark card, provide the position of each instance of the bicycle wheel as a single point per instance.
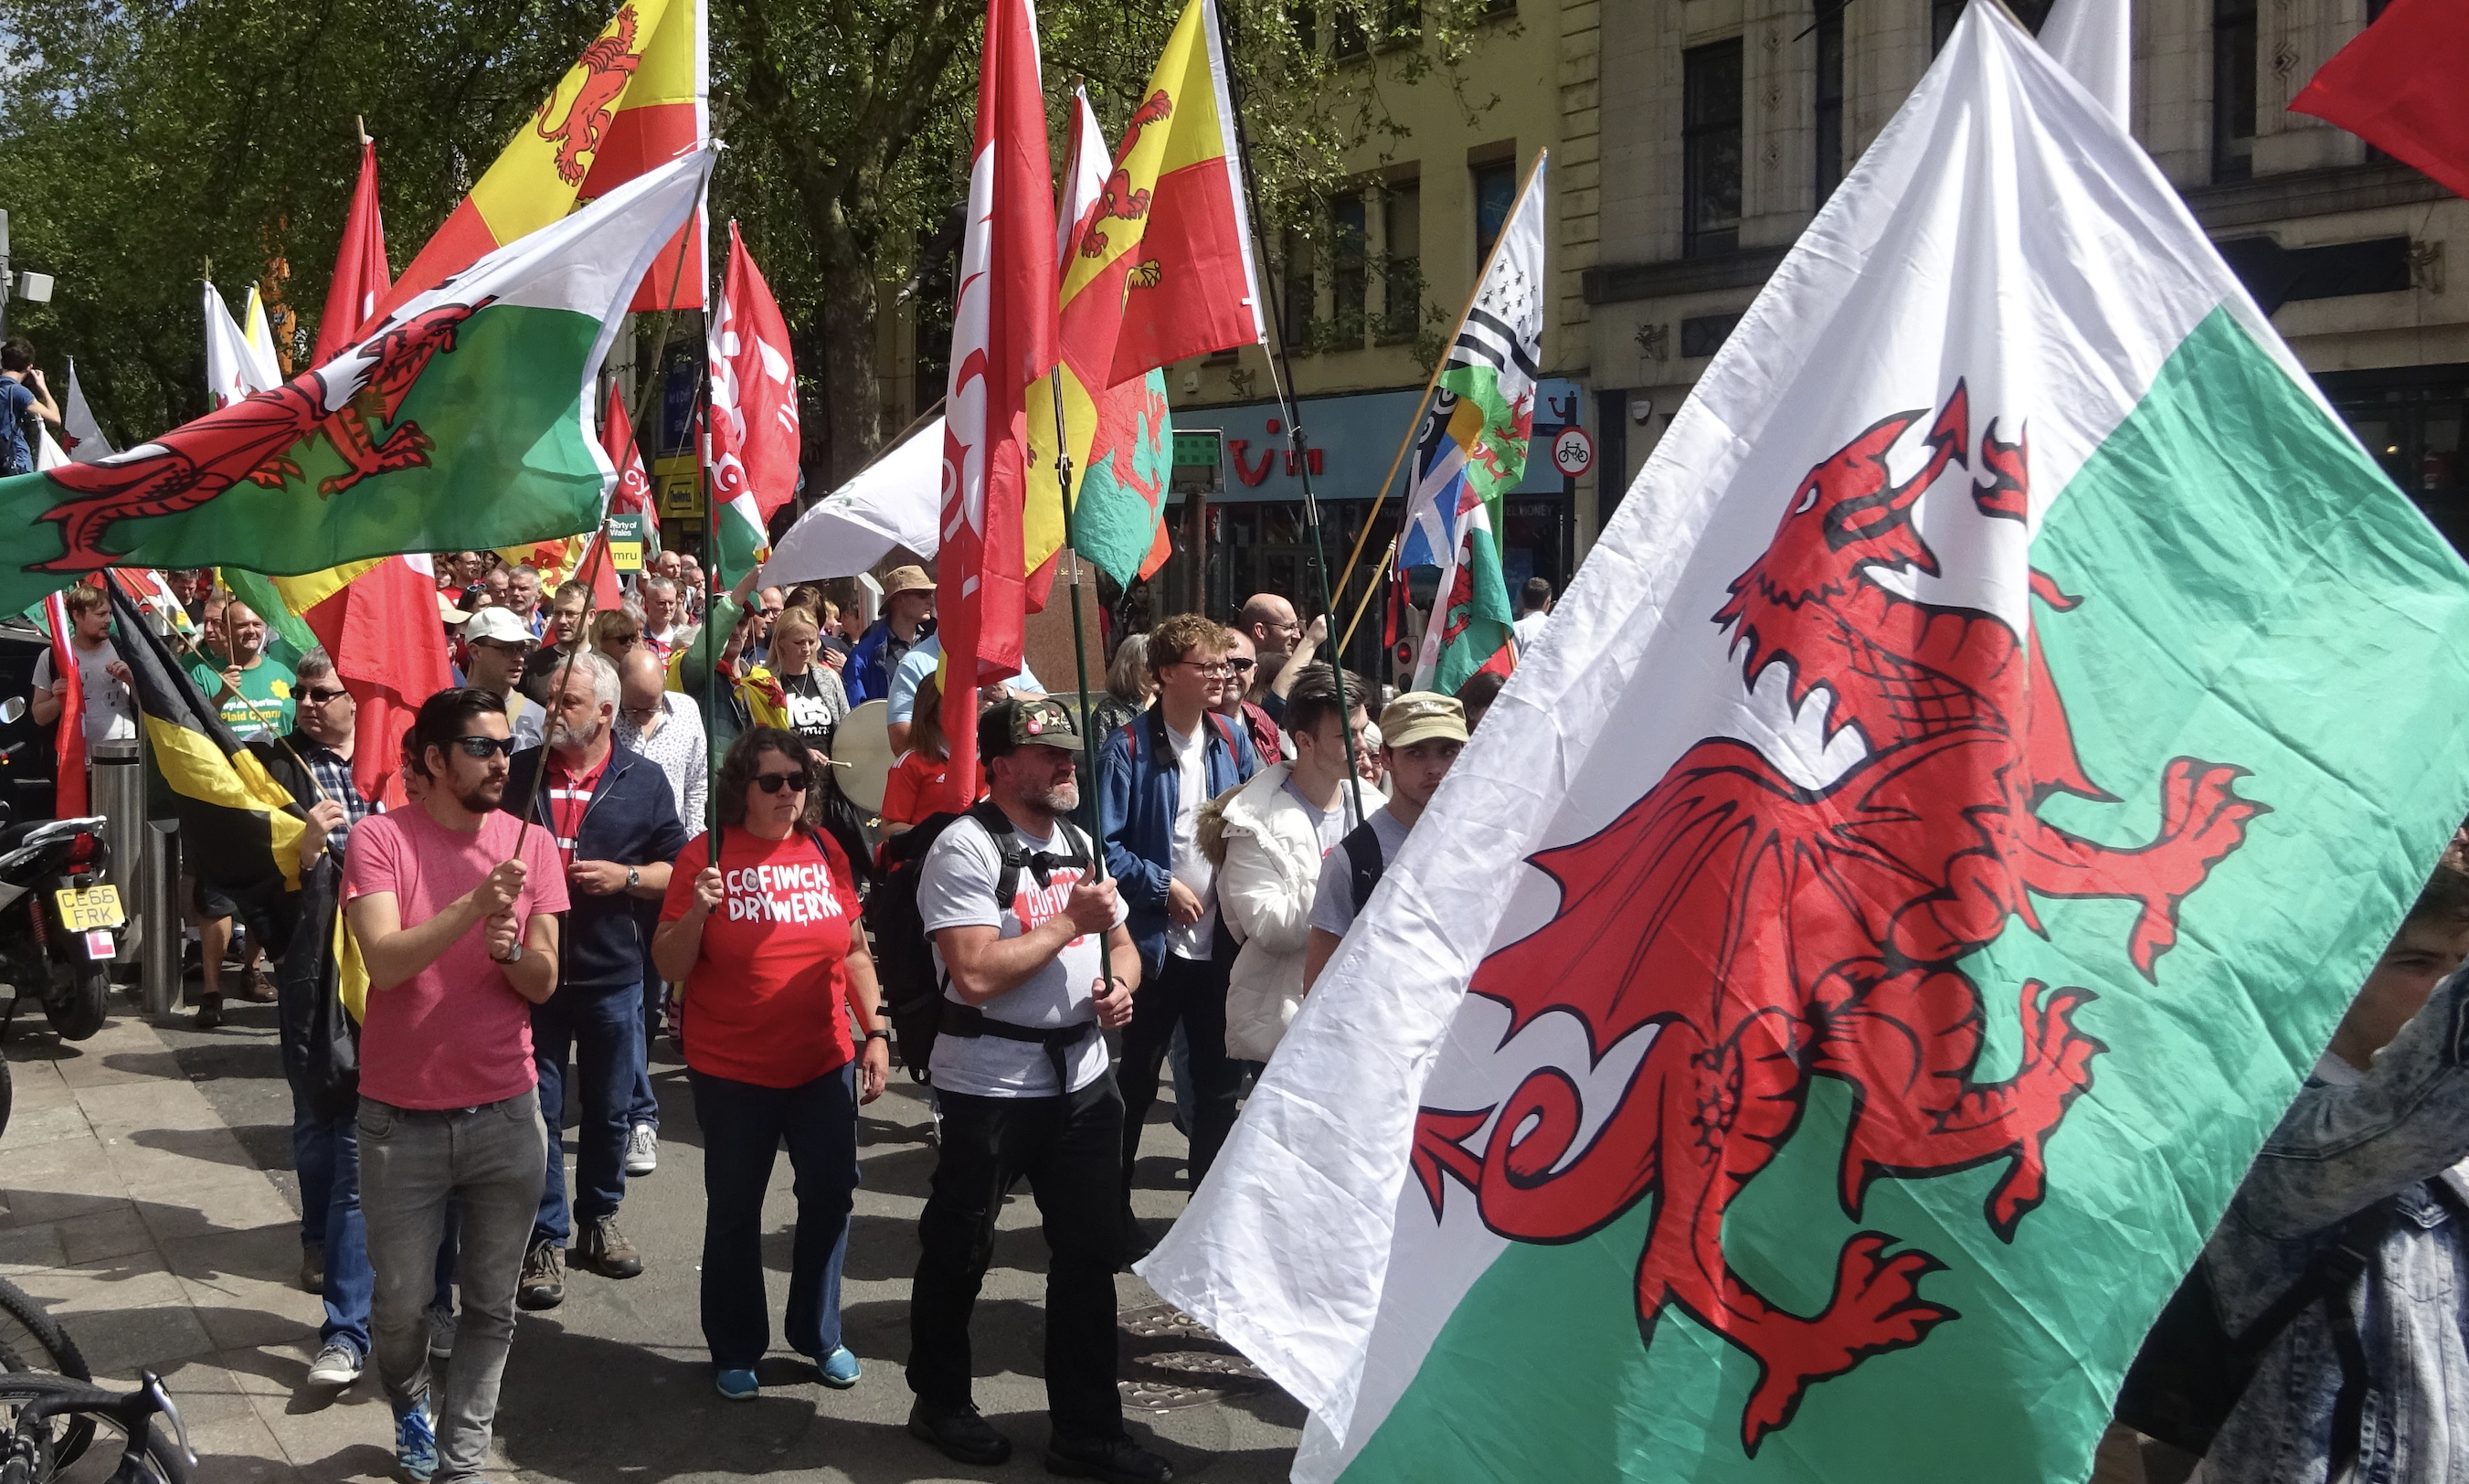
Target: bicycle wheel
(161, 1461)
(31, 1339)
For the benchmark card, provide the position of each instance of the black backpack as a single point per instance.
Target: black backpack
(904, 960)
(2191, 1371)
(1362, 848)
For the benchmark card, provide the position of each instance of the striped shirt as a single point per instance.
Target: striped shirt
(570, 796)
(333, 772)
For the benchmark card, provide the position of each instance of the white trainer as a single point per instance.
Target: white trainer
(335, 1366)
(642, 1150)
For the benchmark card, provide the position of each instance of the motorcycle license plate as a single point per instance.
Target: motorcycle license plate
(89, 907)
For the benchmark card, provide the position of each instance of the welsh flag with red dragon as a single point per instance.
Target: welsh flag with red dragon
(461, 419)
(1937, 835)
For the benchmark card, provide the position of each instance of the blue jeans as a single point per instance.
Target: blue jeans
(743, 1128)
(327, 1156)
(603, 1028)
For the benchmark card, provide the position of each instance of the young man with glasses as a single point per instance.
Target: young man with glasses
(1156, 772)
(496, 645)
(456, 905)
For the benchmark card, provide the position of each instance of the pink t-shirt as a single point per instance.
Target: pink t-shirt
(455, 1034)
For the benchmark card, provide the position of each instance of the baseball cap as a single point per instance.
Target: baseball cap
(1036, 721)
(500, 625)
(905, 579)
(1421, 716)
(449, 612)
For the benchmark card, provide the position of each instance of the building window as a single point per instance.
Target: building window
(1350, 270)
(1401, 268)
(1303, 292)
(1828, 133)
(1943, 13)
(2232, 89)
(1710, 145)
(1495, 191)
(1304, 20)
(1348, 25)
(1401, 21)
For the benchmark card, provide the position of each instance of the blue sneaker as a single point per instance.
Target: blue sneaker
(839, 1369)
(415, 1442)
(736, 1385)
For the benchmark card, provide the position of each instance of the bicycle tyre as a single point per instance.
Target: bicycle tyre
(52, 1352)
(21, 1386)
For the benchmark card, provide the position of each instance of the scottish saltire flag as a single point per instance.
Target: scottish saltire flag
(1936, 838)
(1471, 452)
(482, 383)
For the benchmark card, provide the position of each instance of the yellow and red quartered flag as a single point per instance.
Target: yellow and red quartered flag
(637, 97)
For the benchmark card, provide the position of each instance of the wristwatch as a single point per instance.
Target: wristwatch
(515, 957)
(878, 1036)
(634, 878)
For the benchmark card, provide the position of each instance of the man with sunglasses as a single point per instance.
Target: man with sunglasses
(615, 823)
(1234, 702)
(456, 905)
(1156, 774)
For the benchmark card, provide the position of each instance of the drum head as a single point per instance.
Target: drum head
(860, 741)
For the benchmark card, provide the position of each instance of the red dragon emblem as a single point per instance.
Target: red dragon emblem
(608, 65)
(254, 439)
(1117, 201)
(1771, 934)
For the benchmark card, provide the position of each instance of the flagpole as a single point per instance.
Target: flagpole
(1369, 589)
(1296, 444)
(1080, 661)
(1441, 363)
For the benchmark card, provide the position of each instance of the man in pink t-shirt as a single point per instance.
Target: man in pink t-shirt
(456, 907)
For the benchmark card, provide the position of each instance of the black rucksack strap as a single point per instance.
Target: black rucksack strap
(968, 1022)
(1362, 847)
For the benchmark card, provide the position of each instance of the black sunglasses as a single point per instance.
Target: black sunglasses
(773, 782)
(1239, 666)
(483, 747)
(321, 696)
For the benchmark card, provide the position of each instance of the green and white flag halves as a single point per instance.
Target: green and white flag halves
(1471, 452)
(463, 421)
(1840, 986)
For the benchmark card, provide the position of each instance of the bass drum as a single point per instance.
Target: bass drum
(861, 744)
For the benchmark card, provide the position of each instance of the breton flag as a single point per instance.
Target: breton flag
(1472, 452)
(638, 98)
(485, 384)
(1938, 839)
(81, 435)
(753, 453)
(1003, 341)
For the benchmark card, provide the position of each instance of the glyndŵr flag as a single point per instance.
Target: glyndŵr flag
(1939, 839)
(638, 96)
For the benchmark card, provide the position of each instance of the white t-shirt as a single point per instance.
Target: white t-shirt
(110, 711)
(1188, 866)
(1530, 628)
(956, 888)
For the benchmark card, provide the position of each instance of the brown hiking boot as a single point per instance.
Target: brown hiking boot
(600, 1247)
(257, 986)
(543, 1285)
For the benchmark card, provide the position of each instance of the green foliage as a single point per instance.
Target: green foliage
(146, 138)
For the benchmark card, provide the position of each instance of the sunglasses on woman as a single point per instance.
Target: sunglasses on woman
(773, 782)
(483, 747)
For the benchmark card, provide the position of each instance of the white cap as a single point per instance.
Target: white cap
(497, 624)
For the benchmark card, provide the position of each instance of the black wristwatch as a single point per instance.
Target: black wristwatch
(878, 1036)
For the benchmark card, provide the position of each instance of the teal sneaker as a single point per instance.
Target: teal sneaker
(736, 1385)
(839, 1369)
(415, 1442)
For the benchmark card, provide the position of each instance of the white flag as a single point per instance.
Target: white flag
(83, 435)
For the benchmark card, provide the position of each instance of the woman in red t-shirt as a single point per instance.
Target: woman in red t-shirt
(769, 956)
(911, 791)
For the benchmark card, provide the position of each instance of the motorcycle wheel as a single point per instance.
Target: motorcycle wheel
(76, 1007)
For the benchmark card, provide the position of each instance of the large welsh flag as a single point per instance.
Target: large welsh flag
(1935, 838)
(462, 420)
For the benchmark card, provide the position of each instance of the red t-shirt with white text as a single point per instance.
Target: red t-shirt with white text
(764, 1002)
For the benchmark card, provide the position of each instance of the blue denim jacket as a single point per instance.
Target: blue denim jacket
(2348, 1141)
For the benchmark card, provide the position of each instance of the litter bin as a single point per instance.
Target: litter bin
(119, 793)
(158, 907)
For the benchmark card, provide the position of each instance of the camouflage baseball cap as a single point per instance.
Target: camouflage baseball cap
(1421, 716)
(1035, 722)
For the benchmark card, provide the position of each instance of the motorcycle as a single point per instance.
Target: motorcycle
(59, 913)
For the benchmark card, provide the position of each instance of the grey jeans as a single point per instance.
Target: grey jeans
(490, 1161)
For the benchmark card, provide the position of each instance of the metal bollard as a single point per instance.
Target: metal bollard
(159, 906)
(119, 795)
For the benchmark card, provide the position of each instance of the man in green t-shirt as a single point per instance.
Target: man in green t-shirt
(253, 689)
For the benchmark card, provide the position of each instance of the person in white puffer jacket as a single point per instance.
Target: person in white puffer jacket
(1276, 831)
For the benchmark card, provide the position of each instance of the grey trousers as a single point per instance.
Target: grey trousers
(491, 1160)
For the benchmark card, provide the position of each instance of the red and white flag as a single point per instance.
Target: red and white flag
(1003, 339)
(753, 423)
(382, 634)
(68, 793)
(361, 277)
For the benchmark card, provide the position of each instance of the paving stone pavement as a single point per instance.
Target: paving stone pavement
(145, 1198)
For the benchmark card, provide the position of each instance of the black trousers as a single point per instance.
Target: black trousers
(1191, 993)
(1067, 1146)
